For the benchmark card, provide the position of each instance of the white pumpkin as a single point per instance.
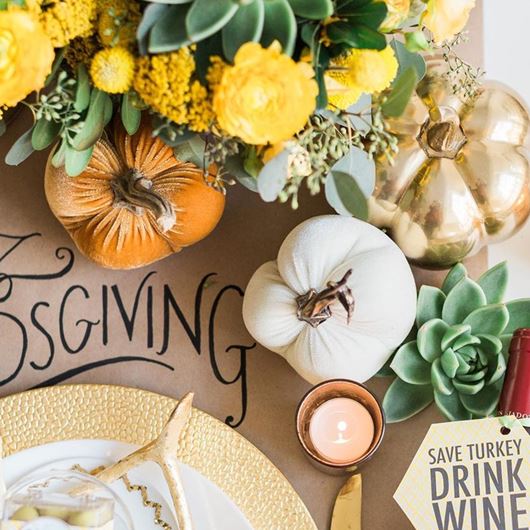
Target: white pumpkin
(297, 306)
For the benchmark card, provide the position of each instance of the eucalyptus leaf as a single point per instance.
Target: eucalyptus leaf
(76, 161)
(206, 17)
(151, 15)
(430, 304)
(494, 283)
(312, 9)
(130, 115)
(245, 26)
(234, 167)
(356, 36)
(402, 400)
(59, 156)
(406, 59)
(280, 25)
(345, 196)
(94, 122)
(463, 299)
(108, 110)
(360, 166)
(57, 62)
(416, 41)
(273, 176)
(410, 366)
(82, 89)
(44, 133)
(20, 150)
(169, 32)
(401, 93)
(191, 151)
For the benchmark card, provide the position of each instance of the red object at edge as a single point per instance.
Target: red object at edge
(515, 397)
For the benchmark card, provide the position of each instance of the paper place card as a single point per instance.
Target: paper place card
(469, 475)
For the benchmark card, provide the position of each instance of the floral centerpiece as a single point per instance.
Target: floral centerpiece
(276, 94)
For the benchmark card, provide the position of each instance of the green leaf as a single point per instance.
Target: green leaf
(469, 389)
(246, 25)
(152, 14)
(82, 89)
(280, 25)
(484, 403)
(449, 362)
(206, 17)
(494, 283)
(312, 9)
(321, 62)
(44, 133)
(401, 92)
(169, 32)
(473, 377)
(191, 151)
(406, 59)
(171, 1)
(234, 167)
(130, 115)
(410, 366)
(451, 406)
(489, 344)
(343, 193)
(430, 337)
(358, 36)
(496, 369)
(430, 304)
(20, 150)
(462, 300)
(402, 400)
(489, 320)
(273, 176)
(94, 122)
(59, 155)
(416, 41)
(465, 339)
(108, 110)
(371, 14)
(463, 366)
(76, 161)
(57, 62)
(457, 272)
(519, 311)
(453, 333)
(440, 381)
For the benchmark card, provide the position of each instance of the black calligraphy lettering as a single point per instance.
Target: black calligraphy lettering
(150, 339)
(23, 349)
(104, 315)
(49, 338)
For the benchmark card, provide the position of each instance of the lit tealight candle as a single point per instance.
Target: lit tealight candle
(341, 430)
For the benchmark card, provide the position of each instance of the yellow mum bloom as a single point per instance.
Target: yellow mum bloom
(26, 56)
(200, 111)
(117, 22)
(265, 97)
(398, 11)
(446, 18)
(63, 20)
(358, 72)
(163, 82)
(112, 70)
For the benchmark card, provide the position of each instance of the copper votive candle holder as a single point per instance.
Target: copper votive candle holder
(320, 394)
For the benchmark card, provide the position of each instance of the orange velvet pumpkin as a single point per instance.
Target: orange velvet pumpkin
(135, 203)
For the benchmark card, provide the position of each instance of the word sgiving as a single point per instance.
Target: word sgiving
(149, 323)
(479, 486)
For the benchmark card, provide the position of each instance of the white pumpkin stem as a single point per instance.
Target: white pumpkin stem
(314, 307)
(134, 192)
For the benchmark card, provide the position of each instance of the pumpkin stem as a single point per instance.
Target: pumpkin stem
(314, 307)
(134, 192)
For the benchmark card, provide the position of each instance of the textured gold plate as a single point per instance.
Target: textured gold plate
(134, 416)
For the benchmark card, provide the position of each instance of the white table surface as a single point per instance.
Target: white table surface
(506, 26)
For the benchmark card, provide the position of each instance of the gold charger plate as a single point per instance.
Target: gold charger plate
(106, 412)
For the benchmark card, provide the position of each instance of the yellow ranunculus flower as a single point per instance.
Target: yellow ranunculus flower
(266, 97)
(359, 71)
(446, 18)
(26, 56)
(398, 11)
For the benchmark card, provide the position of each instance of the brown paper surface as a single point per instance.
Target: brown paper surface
(64, 320)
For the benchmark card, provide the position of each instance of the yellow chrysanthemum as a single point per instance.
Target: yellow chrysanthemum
(164, 82)
(117, 22)
(398, 11)
(446, 18)
(63, 20)
(215, 71)
(112, 70)
(26, 55)
(200, 111)
(266, 97)
(358, 72)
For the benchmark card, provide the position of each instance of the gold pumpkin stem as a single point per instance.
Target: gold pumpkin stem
(314, 307)
(134, 192)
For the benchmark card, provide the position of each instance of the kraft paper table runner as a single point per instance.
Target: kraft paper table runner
(176, 327)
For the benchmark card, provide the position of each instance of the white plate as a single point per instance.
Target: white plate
(211, 509)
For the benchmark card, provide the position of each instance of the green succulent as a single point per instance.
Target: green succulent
(459, 356)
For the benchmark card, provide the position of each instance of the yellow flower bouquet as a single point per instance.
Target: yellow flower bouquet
(271, 93)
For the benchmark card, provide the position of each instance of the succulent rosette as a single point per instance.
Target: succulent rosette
(459, 356)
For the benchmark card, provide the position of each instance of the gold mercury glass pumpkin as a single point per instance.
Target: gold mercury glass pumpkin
(461, 179)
